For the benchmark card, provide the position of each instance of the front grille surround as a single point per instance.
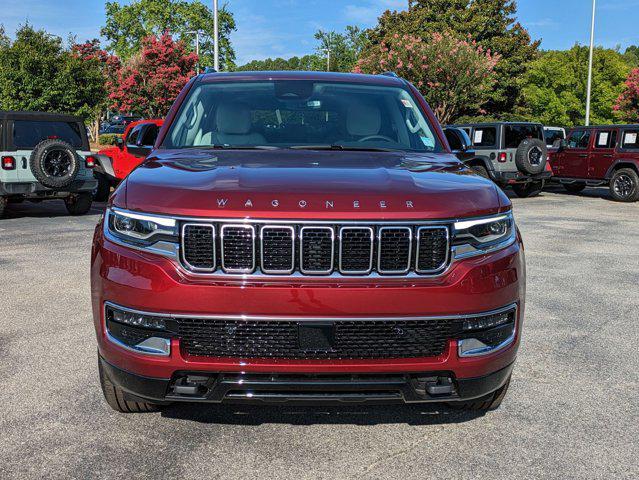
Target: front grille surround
(345, 249)
(186, 232)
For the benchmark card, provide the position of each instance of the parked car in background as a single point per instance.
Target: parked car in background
(305, 237)
(511, 154)
(605, 155)
(115, 163)
(45, 156)
(124, 119)
(554, 135)
(117, 129)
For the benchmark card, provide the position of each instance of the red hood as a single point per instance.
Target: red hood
(311, 184)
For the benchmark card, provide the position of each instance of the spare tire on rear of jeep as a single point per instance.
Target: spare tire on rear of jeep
(531, 156)
(54, 163)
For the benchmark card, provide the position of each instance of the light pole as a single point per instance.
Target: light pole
(216, 34)
(592, 48)
(328, 59)
(197, 48)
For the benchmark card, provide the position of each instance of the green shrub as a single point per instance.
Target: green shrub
(108, 138)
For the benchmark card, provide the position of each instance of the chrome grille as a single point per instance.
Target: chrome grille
(307, 249)
(238, 248)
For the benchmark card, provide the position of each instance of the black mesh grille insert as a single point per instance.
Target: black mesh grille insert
(199, 246)
(238, 248)
(432, 249)
(317, 249)
(277, 249)
(352, 339)
(394, 249)
(356, 249)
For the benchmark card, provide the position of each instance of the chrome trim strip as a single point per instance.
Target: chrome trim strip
(183, 248)
(466, 224)
(317, 272)
(141, 350)
(289, 318)
(379, 250)
(277, 227)
(460, 252)
(341, 244)
(246, 227)
(417, 249)
(292, 220)
(488, 349)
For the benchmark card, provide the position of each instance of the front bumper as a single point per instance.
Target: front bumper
(306, 389)
(152, 283)
(36, 189)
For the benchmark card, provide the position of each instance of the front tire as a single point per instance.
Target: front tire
(530, 189)
(489, 402)
(624, 185)
(78, 203)
(114, 396)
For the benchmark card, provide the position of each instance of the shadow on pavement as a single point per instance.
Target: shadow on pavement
(44, 209)
(425, 414)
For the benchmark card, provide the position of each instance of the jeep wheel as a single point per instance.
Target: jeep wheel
(531, 156)
(102, 191)
(527, 190)
(54, 163)
(624, 185)
(114, 396)
(492, 401)
(78, 203)
(481, 171)
(574, 187)
(3, 205)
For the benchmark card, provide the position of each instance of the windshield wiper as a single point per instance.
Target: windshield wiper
(337, 146)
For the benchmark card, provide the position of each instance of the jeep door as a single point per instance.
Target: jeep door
(602, 154)
(574, 158)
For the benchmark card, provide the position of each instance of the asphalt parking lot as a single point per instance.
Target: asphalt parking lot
(572, 410)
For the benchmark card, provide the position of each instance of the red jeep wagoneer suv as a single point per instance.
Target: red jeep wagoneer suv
(305, 237)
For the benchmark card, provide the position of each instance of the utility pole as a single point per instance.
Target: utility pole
(328, 59)
(592, 48)
(197, 48)
(216, 34)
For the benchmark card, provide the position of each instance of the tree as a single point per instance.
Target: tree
(632, 55)
(127, 26)
(38, 73)
(455, 76)
(307, 62)
(554, 89)
(627, 105)
(491, 23)
(345, 48)
(149, 82)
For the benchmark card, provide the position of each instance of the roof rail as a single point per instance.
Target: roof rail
(390, 74)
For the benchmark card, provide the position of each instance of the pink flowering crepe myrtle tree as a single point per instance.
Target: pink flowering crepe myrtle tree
(150, 81)
(627, 105)
(455, 76)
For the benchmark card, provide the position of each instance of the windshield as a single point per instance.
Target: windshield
(301, 114)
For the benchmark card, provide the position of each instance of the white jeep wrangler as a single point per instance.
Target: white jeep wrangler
(45, 156)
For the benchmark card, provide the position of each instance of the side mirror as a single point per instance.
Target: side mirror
(458, 139)
(120, 143)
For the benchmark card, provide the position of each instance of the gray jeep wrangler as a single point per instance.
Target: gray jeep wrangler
(45, 156)
(510, 153)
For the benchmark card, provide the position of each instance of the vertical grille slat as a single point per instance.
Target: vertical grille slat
(394, 250)
(356, 250)
(311, 249)
(238, 248)
(198, 247)
(317, 250)
(432, 249)
(277, 249)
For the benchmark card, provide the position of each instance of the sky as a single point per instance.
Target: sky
(283, 28)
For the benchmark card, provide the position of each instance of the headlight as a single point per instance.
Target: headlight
(481, 235)
(139, 229)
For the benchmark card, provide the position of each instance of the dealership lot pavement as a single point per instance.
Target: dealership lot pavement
(572, 410)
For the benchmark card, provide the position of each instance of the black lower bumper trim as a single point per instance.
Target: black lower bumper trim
(519, 177)
(305, 389)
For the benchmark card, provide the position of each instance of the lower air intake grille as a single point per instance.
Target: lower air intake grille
(351, 339)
